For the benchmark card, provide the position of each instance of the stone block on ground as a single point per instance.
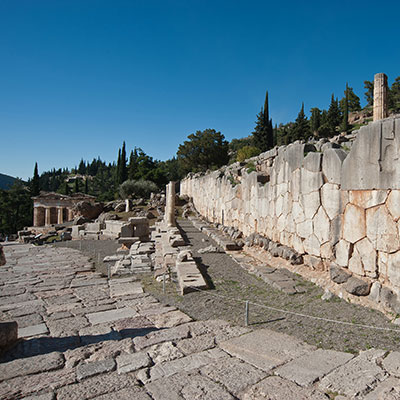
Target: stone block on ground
(33, 330)
(190, 278)
(84, 371)
(357, 286)
(111, 315)
(132, 362)
(8, 334)
(266, 349)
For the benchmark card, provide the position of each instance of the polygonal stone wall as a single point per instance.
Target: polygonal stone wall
(340, 207)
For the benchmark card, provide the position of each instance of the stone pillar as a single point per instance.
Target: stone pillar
(36, 216)
(70, 214)
(170, 204)
(127, 205)
(47, 216)
(380, 96)
(60, 215)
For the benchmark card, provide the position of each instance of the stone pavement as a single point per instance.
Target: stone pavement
(85, 337)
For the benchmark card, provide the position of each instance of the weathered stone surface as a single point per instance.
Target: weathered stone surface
(355, 264)
(196, 344)
(125, 289)
(170, 319)
(187, 386)
(311, 367)
(96, 386)
(310, 202)
(391, 363)
(358, 376)
(31, 365)
(332, 164)
(312, 162)
(321, 226)
(111, 315)
(33, 330)
(276, 388)
(353, 223)
(312, 246)
(342, 252)
(338, 275)
(330, 197)
(357, 286)
(85, 371)
(167, 351)
(234, 374)
(132, 362)
(368, 256)
(310, 181)
(133, 392)
(389, 389)
(382, 230)
(368, 198)
(264, 349)
(393, 204)
(393, 268)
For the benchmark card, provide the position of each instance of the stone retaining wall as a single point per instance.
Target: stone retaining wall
(322, 200)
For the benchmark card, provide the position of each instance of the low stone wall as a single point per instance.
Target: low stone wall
(328, 203)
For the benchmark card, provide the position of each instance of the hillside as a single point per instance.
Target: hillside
(6, 181)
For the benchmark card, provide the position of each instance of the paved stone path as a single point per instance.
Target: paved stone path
(88, 338)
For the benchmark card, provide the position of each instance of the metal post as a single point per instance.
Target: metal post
(163, 283)
(246, 314)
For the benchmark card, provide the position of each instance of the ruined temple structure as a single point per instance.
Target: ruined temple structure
(54, 208)
(336, 202)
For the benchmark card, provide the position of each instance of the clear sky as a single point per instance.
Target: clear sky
(78, 77)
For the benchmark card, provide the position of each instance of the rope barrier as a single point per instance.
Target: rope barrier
(335, 321)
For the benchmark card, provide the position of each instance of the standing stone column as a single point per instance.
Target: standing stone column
(35, 216)
(60, 215)
(170, 204)
(70, 214)
(380, 96)
(47, 216)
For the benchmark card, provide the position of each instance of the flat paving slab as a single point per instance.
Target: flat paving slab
(111, 315)
(266, 349)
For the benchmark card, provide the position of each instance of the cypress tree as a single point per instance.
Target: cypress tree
(118, 175)
(35, 184)
(76, 185)
(123, 168)
(345, 122)
(315, 120)
(66, 189)
(263, 135)
(86, 186)
(333, 116)
(301, 129)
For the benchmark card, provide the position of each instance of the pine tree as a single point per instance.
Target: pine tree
(369, 94)
(66, 188)
(263, 135)
(118, 172)
(315, 120)
(301, 128)
(334, 117)
(76, 185)
(394, 96)
(35, 183)
(86, 186)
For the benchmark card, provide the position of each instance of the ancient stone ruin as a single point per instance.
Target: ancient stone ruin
(336, 203)
(55, 208)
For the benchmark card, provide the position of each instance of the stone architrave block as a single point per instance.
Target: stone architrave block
(330, 197)
(312, 162)
(332, 161)
(321, 226)
(353, 223)
(382, 230)
(342, 251)
(393, 204)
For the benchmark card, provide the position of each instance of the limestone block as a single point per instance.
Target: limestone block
(94, 227)
(310, 181)
(368, 256)
(353, 223)
(312, 162)
(312, 246)
(393, 271)
(327, 251)
(281, 223)
(305, 228)
(393, 204)
(357, 287)
(289, 224)
(338, 275)
(297, 212)
(383, 264)
(321, 226)
(342, 253)
(336, 230)
(332, 164)
(279, 206)
(294, 155)
(367, 198)
(382, 230)
(355, 264)
(297, 244)
(375, 292)
(310, 203)
(295, 184)
(330, 197)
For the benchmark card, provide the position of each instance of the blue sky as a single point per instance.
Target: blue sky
(78, 77)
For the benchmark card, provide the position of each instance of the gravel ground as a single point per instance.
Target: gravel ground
(231, 286)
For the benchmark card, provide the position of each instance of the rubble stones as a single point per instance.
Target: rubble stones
(357, 286)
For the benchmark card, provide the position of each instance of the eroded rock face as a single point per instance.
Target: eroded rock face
(88, 210)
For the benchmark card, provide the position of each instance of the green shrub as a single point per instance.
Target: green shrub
(137, 189)
(247, 152)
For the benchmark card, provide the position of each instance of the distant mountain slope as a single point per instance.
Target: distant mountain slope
(6, 181)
